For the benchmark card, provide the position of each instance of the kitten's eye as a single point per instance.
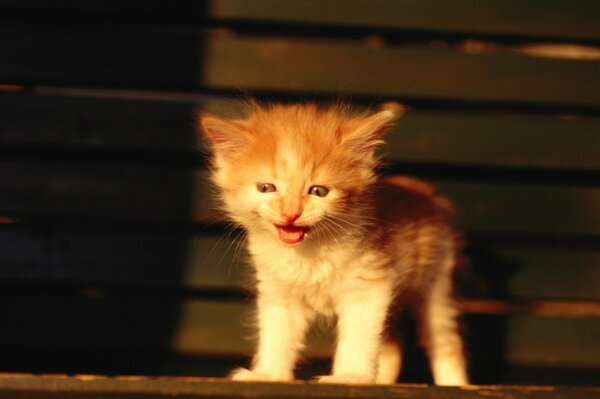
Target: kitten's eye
(266, 187)
(319, 191)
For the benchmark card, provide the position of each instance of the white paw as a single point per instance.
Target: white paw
(243, 374)
(346, 379)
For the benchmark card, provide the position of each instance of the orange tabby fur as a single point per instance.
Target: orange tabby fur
(357, 253)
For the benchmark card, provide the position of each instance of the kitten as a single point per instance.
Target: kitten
(328, 236)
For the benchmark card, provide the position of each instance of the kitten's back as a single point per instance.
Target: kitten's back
(404, 199)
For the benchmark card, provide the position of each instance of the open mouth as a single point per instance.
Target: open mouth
(291, 234)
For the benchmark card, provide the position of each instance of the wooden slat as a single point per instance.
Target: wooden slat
(564, 340)
(171, 258)
(168, 58)
(158, 127)
(538, 273)
(553, 341)
(152, 321)
(575, 20)
(148, 388)
(226, 328)
(296, 65)
(88, 320)
(495, 206)
(143, 257)
(96, 124)
(104, 190)
(536, 307)
(148, 255)
(495, 140)
(45, 189)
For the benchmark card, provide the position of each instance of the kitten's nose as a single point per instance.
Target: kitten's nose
(290, 217)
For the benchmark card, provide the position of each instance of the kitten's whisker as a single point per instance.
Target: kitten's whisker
(230, 228)
(240, 240)
(358, 222)
(231, 242)
(332, 234)
(338, 222)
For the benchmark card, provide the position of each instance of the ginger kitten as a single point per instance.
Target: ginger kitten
(328, 236)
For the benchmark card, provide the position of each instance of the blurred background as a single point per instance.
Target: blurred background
(113, 260)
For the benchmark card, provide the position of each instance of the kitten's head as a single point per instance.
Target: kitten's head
(294, 172)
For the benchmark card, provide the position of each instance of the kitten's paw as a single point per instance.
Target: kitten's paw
(243, 374)
(346, 379)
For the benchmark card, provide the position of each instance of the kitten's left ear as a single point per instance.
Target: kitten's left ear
(370, 129)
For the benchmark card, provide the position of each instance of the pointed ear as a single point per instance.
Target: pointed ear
(369, 130)
(228, 137)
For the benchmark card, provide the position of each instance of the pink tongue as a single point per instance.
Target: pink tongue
(291, 234)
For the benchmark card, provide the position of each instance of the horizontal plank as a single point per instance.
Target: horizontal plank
(183, 59)
(154, 257)
(32, 121)
(160, 128)
(495, 140)
(92, 386)
(136, 192)
(537, 340)
(536, 307)
(411, 72)
(153, 193)
(566, 342)
(171, 258)
(577, 20)
(150, 321)
(488, 206)
(549, 273)
(563, 20)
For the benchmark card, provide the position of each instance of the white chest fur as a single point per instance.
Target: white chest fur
(319, 275)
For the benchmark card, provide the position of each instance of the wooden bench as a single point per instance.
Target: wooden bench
(113, 262)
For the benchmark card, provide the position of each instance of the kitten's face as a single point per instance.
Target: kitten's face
(294, 173)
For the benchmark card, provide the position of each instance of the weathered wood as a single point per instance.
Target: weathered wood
(31, 189)
(553, 19)
(55, 123)
(297, 65)
(485, 139)
(174, 258)
(562, 340)
(553, 341)
(179, 59)
(131, 319)
(491, 206)
(576, 20)
(87, 319)
(104, 190)
(536, 307)
(145, 256)
(539, 273)
(92, 386)
(165, 132)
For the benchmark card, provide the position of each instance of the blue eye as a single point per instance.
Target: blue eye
(319, 191)
(266, 187)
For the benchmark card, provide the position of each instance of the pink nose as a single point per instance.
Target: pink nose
(290, 217)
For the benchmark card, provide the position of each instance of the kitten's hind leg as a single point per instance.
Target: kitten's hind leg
(389, 362)
(440, 332)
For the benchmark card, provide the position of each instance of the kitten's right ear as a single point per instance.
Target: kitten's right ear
(227, 137)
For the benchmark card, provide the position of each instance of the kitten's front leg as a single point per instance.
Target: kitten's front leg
(361, 321)
(282, 324)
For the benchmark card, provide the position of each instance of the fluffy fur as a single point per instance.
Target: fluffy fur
(356, 254)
